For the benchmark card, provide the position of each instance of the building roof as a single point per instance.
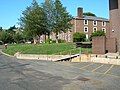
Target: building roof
(93, 18)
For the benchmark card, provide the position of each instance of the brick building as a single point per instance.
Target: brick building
(114, 7)
(89, 24)
(111, 43)
(84, 24)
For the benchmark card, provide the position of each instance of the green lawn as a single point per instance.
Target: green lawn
(57, 49)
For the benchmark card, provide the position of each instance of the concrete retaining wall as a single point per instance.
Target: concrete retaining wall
(98, 59)
(105, 60)
(43, 57)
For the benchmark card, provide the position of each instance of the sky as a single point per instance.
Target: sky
(11, 10)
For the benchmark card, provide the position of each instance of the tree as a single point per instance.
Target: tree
(34, 20)
(79, 37)
(89, 14)
(49, 8)
(62, 19)
(18, 38)
(97, 33)
(11, 30)
(6, 37)
(1, 28)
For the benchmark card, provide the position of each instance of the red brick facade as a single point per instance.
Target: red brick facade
(98, 45)
(114, 6)
(79, 25)
(102, 45)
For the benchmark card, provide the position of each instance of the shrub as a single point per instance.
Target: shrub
(48, 41)
(18, 38)
(6, 37)
(61, 41)
(97, 33)
(79, 37)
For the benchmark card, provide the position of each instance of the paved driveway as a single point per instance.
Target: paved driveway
(41, 75)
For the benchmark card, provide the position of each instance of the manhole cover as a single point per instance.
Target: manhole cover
(83, 79)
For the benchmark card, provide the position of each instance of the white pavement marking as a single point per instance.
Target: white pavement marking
(86, 66)
(109, 69)
(97, 68)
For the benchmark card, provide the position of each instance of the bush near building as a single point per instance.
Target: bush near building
(97, 33)
(79, 37)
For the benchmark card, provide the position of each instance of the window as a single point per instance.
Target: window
(85, 22)
(104, 29)
(94, 23)
(85, 29)
(94, 29)
(103, 23)
(113, 4)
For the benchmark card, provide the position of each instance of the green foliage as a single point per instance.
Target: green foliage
(61, 41)
(89, 14)
(39, 20)
(48, 41)
(50, 49)
(34, 20)
(79, 37)
(49, 8)
(53, 41)
(12, 28)
(97, 33)
(1, 28)
(62, 19)
(18, 38)
(6, 37)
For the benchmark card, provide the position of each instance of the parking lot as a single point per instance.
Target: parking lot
(45, 75)
(105, 69)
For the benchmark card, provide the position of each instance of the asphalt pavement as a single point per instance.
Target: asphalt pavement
(45, 75)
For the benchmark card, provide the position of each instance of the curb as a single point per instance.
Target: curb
(6, 54)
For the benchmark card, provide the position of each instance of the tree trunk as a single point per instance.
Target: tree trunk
(45, 38)
(35, 40)
(49, 38)
(56, 37)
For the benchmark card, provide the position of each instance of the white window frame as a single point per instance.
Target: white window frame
(104, 30)
(85, 30)
(94, 23)
(94, 29)
(85, 22)
(104, 23)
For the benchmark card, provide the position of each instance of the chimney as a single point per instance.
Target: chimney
(80, 12)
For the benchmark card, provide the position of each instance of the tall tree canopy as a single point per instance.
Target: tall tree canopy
(62, 19)
(89, 14)
(49, 8)
(34, 20)
(51, 17)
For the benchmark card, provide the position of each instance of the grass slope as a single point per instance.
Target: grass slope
(61, 48)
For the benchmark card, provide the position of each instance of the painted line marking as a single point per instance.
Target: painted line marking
(109, 69)
(86, 66)
(102, 74)
(97, 68)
